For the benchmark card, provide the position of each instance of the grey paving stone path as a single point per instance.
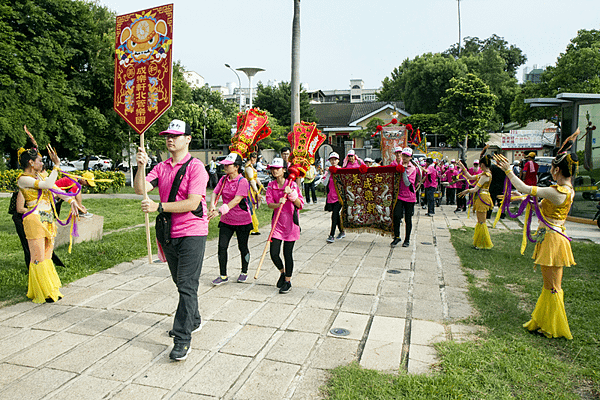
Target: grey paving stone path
(107, 339)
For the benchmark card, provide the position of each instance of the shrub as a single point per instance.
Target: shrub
(8, 181)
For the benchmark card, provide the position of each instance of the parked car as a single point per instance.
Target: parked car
(544, 163)
(101, 163)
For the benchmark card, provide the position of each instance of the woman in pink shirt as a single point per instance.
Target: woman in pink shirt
(235, 215)
(352, 160)
(407, 197)
(333, 203)
(287, 229)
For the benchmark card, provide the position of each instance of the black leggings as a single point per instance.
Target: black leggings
(335, 218)
(406, 209)
(288, 248)
(226, 231)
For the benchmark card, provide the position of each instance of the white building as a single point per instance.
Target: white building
(194, 79)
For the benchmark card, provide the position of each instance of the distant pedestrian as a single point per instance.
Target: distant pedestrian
(309, 184)
(333, 203)
(407, 197)
(430, 186)
(287, 229)
(212, 173)
(530, 170)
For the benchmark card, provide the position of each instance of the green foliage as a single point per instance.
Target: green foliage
(576, 69)
(466, 110)
(278, 137)
(421, 82)
(277, 100)
(58, 78)
(427, 123)
(8, 181)
(512, 56)
(523, 113)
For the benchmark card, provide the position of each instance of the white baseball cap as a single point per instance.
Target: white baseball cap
(334, 155)
(397, 149)
(276, 163)
(351, 153)
(177, 127)
(369, 159)
(475, 161)
(453, 160)
(407, 151)
(232, 158)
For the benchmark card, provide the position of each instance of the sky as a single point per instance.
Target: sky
(356, 39)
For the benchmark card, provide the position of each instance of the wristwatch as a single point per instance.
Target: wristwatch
(160, 209)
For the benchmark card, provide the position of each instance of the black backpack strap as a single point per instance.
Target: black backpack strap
(177, 180)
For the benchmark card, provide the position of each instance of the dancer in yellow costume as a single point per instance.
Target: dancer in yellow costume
(256, 188)
(553, 252)
(39, 222)
(482, 200)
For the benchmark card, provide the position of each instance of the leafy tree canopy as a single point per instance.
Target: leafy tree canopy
(512, 56)
(278, 101)
(576, 69)
(421, 82)
(466, 109)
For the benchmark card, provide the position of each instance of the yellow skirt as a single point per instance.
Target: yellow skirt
(553, 251)
(43, 282)
(39, 226)
(479, 205)
(549, 316)
(481, 238)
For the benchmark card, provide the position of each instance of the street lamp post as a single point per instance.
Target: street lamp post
(250, 72)
(204, 134)
(239, 82)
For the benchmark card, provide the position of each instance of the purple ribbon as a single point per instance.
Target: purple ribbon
(528, 200)
(75, 233)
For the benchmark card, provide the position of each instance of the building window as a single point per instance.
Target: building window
(355, 87)
(369, 97)
(356, 97)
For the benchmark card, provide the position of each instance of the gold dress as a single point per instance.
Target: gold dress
(252, 175)
(554, 250)
(483, 203)
(43, 281)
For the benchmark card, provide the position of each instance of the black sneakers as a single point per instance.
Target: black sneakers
(395, 242)
(286, 287)
(281, 280)
(180, 351)
(406, 243)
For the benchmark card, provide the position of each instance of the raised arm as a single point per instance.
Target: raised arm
(549, 193)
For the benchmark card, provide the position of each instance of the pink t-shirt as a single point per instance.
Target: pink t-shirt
(448, 175)
(193, 182)
(474, 171)
(332, 196)
(237, 186)
(431, 178)
(285, 229)
(405, 194)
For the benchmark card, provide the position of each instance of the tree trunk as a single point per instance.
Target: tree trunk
(295, 83)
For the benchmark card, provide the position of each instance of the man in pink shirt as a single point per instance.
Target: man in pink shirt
(189, 226)
(430, 186)
(407, 197)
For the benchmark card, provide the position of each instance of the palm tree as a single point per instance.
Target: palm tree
(295, 112)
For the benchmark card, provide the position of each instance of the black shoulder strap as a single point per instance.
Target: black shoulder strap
(177, 180)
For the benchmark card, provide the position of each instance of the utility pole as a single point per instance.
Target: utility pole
(459, 32)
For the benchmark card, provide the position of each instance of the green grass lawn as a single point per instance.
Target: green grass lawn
(507, 362)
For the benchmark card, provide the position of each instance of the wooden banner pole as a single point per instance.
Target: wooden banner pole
(146, 217)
